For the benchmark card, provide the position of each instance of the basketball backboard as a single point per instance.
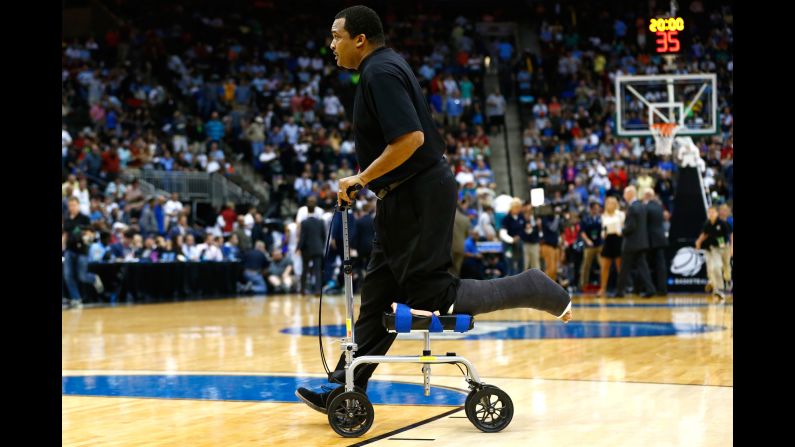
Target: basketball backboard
(688, 100)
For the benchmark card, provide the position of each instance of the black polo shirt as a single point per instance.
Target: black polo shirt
(514, 225)
(74, 229)
(388, 104)
(717, 234)
(592, 227)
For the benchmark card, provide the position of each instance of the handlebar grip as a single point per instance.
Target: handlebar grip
(353, 189)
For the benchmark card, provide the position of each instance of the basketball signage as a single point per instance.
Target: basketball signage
(687, 269)
(667, 31)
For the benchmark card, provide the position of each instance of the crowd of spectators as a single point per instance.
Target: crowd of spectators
(207, 89)
(202, 89)
(570, 142)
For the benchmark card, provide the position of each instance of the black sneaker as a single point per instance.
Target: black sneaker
(316, 401)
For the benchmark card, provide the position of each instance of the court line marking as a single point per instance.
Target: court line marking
(406, 428)
(447, 387)
(77, 372)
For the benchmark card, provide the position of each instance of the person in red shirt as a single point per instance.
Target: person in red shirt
(618, 178)
(554, 107)
(111, 163)
(572, 257)
(437, 85)
(230, 217)
(727, 152)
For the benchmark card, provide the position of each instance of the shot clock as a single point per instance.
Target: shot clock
(667, 31)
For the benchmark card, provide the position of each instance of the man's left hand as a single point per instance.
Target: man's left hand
(346, 183)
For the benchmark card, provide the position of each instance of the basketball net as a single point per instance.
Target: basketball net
(664, 134)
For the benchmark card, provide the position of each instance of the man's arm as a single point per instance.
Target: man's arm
(630, 222)
(300, 235)
(700, 240)
(395, 154)
(586, 238)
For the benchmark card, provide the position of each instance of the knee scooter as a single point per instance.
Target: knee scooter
(350, 412)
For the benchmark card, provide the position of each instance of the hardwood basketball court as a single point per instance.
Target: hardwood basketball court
(222, 373)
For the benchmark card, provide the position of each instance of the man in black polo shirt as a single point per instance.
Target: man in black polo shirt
(512, 227)
(714, 236)
(401, 156)
(591, 234)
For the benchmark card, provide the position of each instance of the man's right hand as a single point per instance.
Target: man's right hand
(344, 184)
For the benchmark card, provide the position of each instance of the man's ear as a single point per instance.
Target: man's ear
(359, 40)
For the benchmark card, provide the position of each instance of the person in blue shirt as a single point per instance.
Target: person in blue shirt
(215, 151)
(231, 250)
(455, 108)
(92, 162)
(167, 161)
(505, 51)
(160, 215)
(214, 128)
(96, 211)
(99, 250)
(254, 264)
(591, 234)
(477, 115)
(472, 267)
(120, 250)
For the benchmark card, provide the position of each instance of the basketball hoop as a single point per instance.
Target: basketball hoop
(664, 134)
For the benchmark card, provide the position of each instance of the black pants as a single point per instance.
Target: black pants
(409, 261)
(316, 272)
(631, 260)
(656, 258)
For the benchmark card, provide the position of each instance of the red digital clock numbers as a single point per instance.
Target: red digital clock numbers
(667, 42)
(667, 32)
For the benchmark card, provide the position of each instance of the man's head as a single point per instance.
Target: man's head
(233, 240)
(629, 193)
(516, 206)
(648, 194)
(276, 255)
(74, 206)
(355, 33)
(724, 211)
(712, 213)
(595, 208)
(259, 245)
